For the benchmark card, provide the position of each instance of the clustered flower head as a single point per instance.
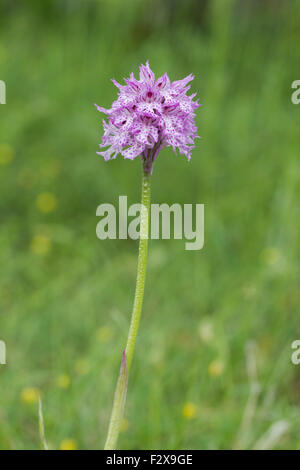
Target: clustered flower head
(148, 115)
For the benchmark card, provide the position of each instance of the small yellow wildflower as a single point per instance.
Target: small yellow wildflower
(104, 334)
(216, 368)
(124, 425)
(30, 395)
(46, 202)
(40, 244)
(189, 410)
(82, 367)
(68, 444)
(6, 154)
(63, 381)
(271, 255)
(206, 331)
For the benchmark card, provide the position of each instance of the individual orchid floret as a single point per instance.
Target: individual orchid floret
(148, 115)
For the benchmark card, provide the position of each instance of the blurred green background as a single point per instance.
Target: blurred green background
(212, 368)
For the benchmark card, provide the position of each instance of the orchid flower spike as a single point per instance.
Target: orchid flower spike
(148, 115)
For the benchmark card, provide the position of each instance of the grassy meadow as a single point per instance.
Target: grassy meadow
(212, 368)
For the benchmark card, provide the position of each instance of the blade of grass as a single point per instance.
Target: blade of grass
(41, 426)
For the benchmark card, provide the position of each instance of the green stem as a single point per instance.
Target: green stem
(120, 393)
